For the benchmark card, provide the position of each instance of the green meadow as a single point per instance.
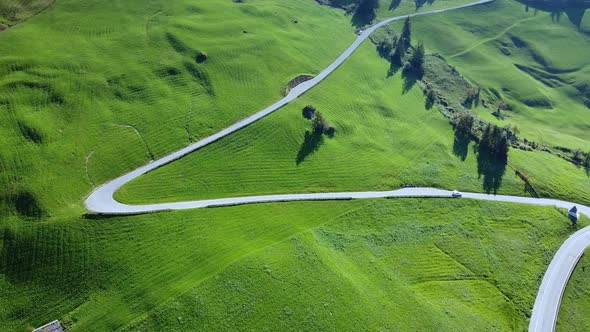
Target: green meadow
(532, 60)
(573, 312)
(385, 138)
(15, 11)
(92, 89)
(405, 264)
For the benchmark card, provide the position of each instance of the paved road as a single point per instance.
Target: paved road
(101, 200)
(548, 299)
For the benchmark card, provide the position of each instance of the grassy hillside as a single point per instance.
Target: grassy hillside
(385, 138)
(403, 264)
(15, 11)
(531, 60)
(91, 89)
(573, 314)
(86, 94)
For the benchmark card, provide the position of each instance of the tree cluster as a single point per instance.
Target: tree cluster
(322, 125)
(403, 43)
(463, 123)
(319, 124)
(494, 142)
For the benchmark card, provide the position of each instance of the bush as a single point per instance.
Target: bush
(308, 112)
(322, 126)
(201, 57)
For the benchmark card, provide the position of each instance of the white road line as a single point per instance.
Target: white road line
(546, 308)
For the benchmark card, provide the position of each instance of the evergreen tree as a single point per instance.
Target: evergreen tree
(399, 53)
(417, 60)
(406, 36)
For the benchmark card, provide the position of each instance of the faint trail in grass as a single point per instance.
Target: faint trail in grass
(502, 33)
(147, 23)
(149, 152)
(86, 168)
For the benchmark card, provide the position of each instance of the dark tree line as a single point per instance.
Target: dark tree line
(396, 51)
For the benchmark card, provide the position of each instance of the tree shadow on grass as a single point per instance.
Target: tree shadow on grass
(311, 143)
(361, 18)
(394, 4)
(430, 100)
(461, 145)
(393, 69)
(364, 13)
(421, 3)
(410, 79)
(491, 168)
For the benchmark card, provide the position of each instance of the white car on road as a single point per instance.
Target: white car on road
(456, 194)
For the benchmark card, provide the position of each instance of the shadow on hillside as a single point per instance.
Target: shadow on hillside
(394, 4)
(410, 79)
(393, 69)
(421, 3)
(361, 18)
(491, 168)
(461, 145)
(574, 10)
(311, 143)
(429, 102)
(528, 189)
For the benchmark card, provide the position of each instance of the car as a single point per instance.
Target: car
(456, 194)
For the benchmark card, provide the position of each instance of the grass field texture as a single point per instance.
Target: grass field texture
(74, 86)
(16, 11)
(532, 61)
(407, 264)
(573, 314)
(385, 138)
(92, 89)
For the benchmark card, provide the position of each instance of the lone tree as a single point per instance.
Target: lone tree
(417, 60)
(308, 112)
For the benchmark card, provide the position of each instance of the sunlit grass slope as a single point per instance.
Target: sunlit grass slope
(573, 313)
(407, 264)
(91, 89)
(536, 64)
(385, 138)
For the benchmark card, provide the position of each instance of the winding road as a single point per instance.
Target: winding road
(546, 308)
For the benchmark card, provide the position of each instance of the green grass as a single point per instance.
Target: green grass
(404, 264)
(16, 11)
(92, 89)
(489, 44)
(385, 138)
(79, 71)
(573, 313)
